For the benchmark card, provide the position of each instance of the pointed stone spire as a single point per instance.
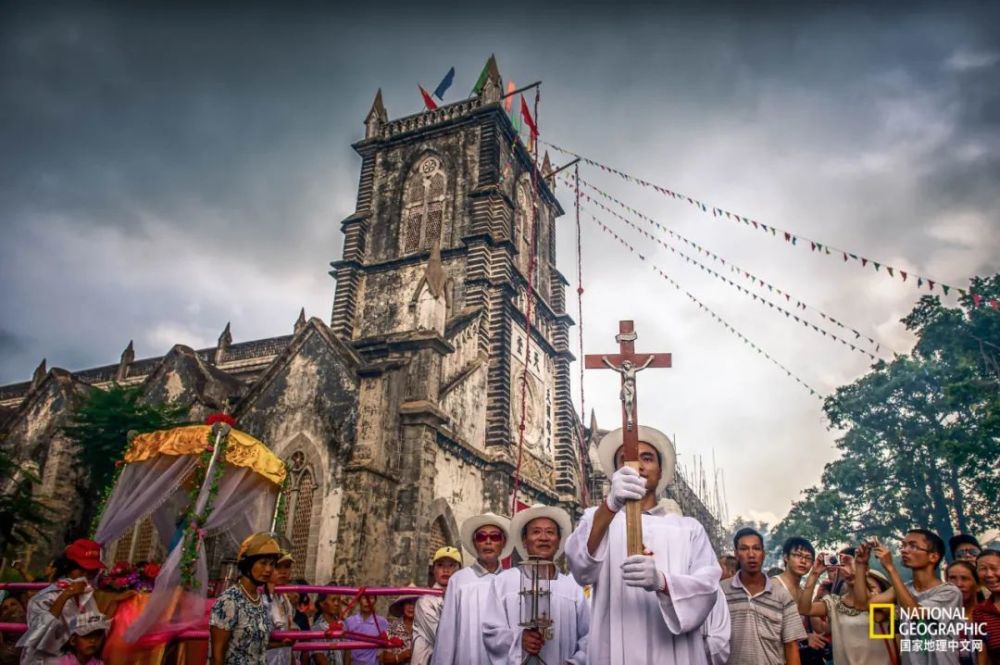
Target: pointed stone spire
(300, 322)
(376, 117)
(546, 170)
(128, 356)
(493, 86)
(225, 340)
(593, 423)
(434, 273)
(40, 372)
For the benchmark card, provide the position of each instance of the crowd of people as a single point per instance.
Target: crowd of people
(676, 603)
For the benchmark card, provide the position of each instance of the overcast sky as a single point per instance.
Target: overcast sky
(165, 171)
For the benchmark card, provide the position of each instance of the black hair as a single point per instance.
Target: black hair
(962, 539)
(797, 543)
(934, 541)
(849, 550)
(744, 532)
(63, 566)
(988, 552)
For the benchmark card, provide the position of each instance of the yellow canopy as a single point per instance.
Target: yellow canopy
(241, 449)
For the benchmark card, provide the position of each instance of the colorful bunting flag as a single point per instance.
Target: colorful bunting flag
(508, 102)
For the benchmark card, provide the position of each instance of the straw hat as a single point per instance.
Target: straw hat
(396, 608)
(259, 544)
(521, 520)
(612, 441)
(473, 524)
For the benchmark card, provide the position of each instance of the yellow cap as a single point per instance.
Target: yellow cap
(259, 544)
(448, 552)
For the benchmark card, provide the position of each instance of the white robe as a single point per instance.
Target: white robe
(570, 621)
(638, 627)
(459, 638)
(716, 631)
(281, 611)
(42, 643)
(426, 617)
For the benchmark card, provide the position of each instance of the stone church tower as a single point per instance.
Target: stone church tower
(432, 294)
(400, 417)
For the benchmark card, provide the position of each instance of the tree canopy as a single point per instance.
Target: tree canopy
(920, 442)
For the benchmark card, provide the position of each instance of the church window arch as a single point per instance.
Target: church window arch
(424, 195)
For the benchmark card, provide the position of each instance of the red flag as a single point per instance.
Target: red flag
(526, 114)
(508, 102)
(428, 101)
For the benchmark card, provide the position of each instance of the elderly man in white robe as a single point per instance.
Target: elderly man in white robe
(646, 608)
(538, 534)
(460, 632)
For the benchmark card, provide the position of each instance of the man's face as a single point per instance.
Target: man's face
(367, 604)
(799, 561)
(649, 464)
(489, 541)
(916, 552)
(541, 538)
(967, 552)
(750, 554)
(988, 568)
(444, 569)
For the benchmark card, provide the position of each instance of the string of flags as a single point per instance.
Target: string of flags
(789, 237)
(763, 301)
(702, 306)
(754, 279)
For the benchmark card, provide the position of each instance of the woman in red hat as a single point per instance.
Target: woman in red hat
(50, 612)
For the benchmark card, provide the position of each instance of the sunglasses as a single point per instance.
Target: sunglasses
(483, 537)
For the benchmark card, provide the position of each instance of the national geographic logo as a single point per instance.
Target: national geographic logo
(891, 608)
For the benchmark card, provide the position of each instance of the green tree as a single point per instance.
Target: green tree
(100, 427)
(921, 434)
(22, 515)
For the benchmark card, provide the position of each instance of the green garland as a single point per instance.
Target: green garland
(193, 522)
(105, 497)
(282, 509)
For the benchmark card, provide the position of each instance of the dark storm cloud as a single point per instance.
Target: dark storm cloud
(167, 169)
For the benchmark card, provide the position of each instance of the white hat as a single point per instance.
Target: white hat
(612, 441)
(473, 524)
(86, 623)
(557, 515)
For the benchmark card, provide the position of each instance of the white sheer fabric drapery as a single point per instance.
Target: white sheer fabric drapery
(236, 509)
(142, 489)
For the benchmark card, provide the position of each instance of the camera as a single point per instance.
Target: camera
(831, 560)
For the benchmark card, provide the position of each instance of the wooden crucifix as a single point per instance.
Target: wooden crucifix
(628, 363)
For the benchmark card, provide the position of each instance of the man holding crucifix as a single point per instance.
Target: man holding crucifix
(655, 576)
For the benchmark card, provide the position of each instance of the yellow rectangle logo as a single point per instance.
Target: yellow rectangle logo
(891, 607)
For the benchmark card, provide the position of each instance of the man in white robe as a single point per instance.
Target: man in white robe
(427, 614)
(538, 533)
(647, 609)
(459, 638)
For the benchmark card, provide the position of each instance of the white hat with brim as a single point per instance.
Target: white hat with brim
(86, 623)
(612, 441)
(521, 520)
(473, 524)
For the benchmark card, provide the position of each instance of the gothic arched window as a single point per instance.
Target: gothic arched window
(423, 206)
(301, 520)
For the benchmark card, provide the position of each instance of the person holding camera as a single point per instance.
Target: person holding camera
(848, 623)
(798, 556)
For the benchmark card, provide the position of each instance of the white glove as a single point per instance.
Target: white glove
(626, 483)
(641, 571)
